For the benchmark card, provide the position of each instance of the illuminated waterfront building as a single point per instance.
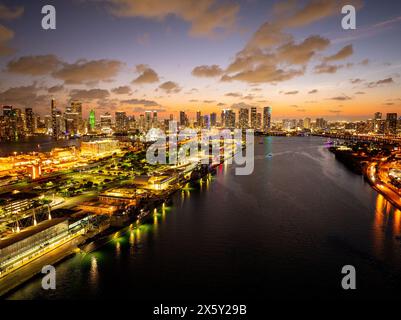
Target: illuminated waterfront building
(243, 118)
(321, 123)
(254, 118)
(258, 120)
(267, 116)
(55, 127)
(99, 148)
(30, 122)
(307, 123)
(228, 118)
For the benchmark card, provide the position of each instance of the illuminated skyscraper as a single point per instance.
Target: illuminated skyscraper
(92, 120)
(73, 117)
(213, 119)
(267, 115)
(183, 119)
(391, 123)
(254, 118)
(53, 113)
(29, 118)
(199, 119)
(243, 118)
(307, 123)
(121, 121)
(105, 121)
(228, 118)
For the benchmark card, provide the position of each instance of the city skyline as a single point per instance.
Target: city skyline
(124, 56)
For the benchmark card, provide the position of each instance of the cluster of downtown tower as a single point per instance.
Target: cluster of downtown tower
(17, 124)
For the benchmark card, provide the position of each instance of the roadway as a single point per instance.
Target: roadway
(381, 186)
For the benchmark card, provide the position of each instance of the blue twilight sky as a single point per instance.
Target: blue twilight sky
(135, 55)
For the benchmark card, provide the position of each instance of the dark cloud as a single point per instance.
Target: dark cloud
(380, 82)
(303, 52)
(122, 90)
(313, 91)
(55, 89)
(142, 109)
(84, 72)
(344, 53)
(170, 87)
(205, 17)
(5, 36)
(341, 98)
(241, 105)
(355, 81)
(272, 55)
(34, 65)
(91, 94)
(291, 92)
(146, 75)
(327, 68)
(233, 94)
(143, 102)
(207, 71)
(24, 96)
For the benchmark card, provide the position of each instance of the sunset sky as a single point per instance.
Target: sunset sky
(172, 55)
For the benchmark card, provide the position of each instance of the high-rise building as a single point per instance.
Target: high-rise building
(148, 119)
(73, 117)
(258, 120)
(11, 123)
(254, 118)
(121, 121)
(228, 118)
(267, 116)
(307, 123)
(155, 117)
(92, 121)
(213, 119)
(391, 123)
(30, 122)
(183, 119)
(378, 116)
(53, 113)
(321, 123)
(199, 120)
(243, 118)
(105, 121)
(206, 121)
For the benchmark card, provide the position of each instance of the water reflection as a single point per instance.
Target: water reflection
(118, 249)
(94, 272)
(386, 226)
